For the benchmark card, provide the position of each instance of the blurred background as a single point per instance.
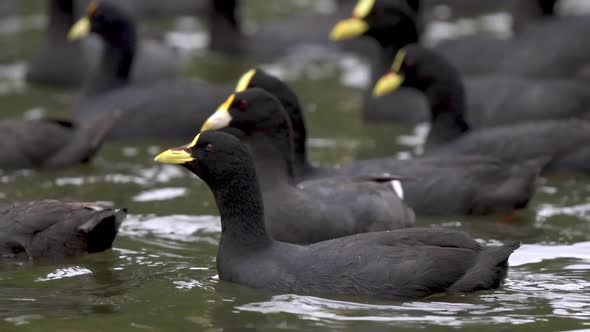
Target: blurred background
(161, 274)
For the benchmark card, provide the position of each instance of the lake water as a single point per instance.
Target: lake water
(161, 274)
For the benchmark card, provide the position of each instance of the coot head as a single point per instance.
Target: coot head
(415, 67)
(391, 23)
(215, 157)
(249, 111)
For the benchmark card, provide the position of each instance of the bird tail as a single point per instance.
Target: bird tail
(489, 270)
(101, 228)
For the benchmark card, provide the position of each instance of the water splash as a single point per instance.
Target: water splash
(68, 272)
(181, 228)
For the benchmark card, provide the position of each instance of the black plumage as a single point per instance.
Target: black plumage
(51, 230)
(559, 44)
(61, 62)
(51, 143)
(164, 109)
(403, 264)
(313, 211)
(441, 185)
(276, 38)
(562, 143)
(501, 98)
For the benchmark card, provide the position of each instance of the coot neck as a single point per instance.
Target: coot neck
(117, 60)
(273, 155)
(241, 209)
(383, 60)
(447, 104)
(547, 7)
(61, 18)
(301, 165)
(390, 41)
(224, 27)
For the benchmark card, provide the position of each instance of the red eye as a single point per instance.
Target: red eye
(209, 148)
(243, 105)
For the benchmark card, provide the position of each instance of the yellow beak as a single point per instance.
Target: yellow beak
(80, 29)
(348, 28)
(174, 156)
(245, 80)
(221, 118)
(388, 83)
(179, 155)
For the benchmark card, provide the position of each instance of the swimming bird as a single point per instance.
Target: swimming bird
(563, 143)
(493, 99)
(48, 143)
(53, 230)
(441, 185)
(403, 264)
(276, 38)
(163, 109)
(58, 61)
(63, 62)
(313, 211)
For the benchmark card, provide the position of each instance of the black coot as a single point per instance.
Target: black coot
(314, 211)
(164, 109)
(441, 185)
(403, 264)
(563, 143)
(501, 98)
(62, 62)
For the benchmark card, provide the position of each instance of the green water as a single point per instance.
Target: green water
(161, 274)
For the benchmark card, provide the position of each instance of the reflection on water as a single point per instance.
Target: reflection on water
(161, 275)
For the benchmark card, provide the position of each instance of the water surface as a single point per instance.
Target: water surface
(161, 274)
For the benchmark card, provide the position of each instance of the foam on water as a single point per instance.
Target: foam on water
(161, 194)
(317, 63)
(534, 253)
(145, 176)
(12, 78)
(417, 138)
(68, 272)
(356, 73)
(498, 24)
(183, 228)
(322, 143)
(187, 41)
(549, 210)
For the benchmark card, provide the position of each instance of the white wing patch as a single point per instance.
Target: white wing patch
(396, 185)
